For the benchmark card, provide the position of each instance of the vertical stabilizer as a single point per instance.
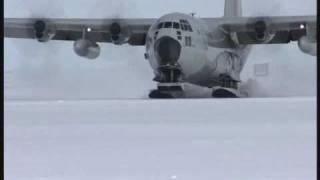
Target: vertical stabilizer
(232, 8)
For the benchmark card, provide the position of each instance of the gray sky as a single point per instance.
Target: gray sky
(53, 69)
(150, 8)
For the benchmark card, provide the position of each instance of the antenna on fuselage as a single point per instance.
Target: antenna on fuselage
(193, 14)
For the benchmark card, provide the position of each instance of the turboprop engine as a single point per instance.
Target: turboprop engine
(86, 48)
(43, 32)
(257, 30)
(262, 30)
(119, 33)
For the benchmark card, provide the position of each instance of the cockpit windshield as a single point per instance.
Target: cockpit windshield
(168, 25)
(183, 25)
(160, 25)
(176, 25)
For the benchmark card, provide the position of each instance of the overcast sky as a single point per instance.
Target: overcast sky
(53, 69)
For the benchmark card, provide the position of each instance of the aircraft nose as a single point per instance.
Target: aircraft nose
(168, 50)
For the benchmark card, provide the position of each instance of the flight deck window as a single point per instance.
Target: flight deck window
(168, 25)
(176, 25)
(189, 28)
(188, 41)
(183, 27)
(183, 21)
(160, 25)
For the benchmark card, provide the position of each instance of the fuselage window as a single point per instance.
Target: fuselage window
(188, 41)
(183, 27)
(176, 25)
(189, 28)
(160, 25)
(183, 21)
(168, 25)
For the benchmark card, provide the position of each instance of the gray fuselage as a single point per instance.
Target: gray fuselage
(201, 58)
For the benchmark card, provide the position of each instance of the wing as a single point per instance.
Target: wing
(267, 30)
(118, 31)
(279, 29)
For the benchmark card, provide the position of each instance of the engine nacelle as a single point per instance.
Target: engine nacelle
(43, 32)
(262, 31)
(119, 33)
(307, 46)
(257, 30)
(86, 48)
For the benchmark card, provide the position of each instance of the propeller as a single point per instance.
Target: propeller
(261, 23)
(117, 12)
(127, 55)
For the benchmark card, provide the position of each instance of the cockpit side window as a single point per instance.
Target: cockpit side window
(160, 25)
(189, 28)
(183, 21)
(185, 25)
(176, 25)
(168, 25)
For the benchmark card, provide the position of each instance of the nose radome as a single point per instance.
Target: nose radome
(168, 50)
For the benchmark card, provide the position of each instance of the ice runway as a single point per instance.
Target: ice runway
(249, 139)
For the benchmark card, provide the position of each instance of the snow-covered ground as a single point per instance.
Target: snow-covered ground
(249, 139)
(50, 134)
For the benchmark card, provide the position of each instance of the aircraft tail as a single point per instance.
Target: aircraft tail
(233, 8)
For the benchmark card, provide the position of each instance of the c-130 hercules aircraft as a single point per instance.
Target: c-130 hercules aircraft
(207, 52)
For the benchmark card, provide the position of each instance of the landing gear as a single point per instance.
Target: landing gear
(168, 91)
(169, 74)
(225, 93)
(157, 94)
(228, 88)
(169, 83)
